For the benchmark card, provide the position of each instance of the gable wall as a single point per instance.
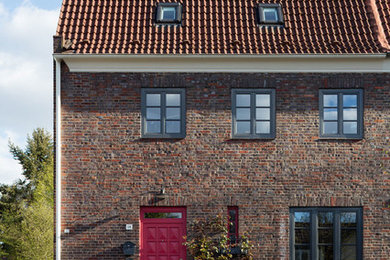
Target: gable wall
(109, 171)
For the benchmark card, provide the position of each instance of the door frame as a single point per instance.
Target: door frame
(164, 209)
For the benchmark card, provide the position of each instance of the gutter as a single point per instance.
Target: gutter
(58, 157)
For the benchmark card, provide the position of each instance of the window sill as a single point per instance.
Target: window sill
(148, 137)
(252, 138)
(326, 138)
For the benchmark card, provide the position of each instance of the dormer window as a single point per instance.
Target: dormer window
(270, 14)
(168, 13)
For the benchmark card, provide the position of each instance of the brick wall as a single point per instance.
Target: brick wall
(109, 171)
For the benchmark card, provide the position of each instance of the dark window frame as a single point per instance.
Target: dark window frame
(272, 120)
(176, 20)
(163, 92)
(262, 19)
(313, 229)
(340, 120)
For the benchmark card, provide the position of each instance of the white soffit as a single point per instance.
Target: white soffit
(353, 63)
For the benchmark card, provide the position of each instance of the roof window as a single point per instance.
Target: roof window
(270, 14)
(168, 13)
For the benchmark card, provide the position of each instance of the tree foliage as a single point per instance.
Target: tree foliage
(26, 207)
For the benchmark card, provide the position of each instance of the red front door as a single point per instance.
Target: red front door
(162, 232)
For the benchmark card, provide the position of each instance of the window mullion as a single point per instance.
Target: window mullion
(252, 113)
(163, 108)
(340, 113)
(336, 235)
(313, 234)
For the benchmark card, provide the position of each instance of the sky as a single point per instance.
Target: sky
(26, 88)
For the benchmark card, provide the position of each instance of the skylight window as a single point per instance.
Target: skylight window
(270, 14)
(168, 13)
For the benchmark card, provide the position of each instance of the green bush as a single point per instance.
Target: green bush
(208, 240)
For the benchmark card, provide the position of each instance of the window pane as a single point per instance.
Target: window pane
(330, 100)
(263, 100)
(263, 114)
(325, 236)
(330, 113)
(173, 100)
(153, 127)
(168, 13)
(302, 236)
(348, 219)
(350, 100)
(232, 227)
(263, 127)
(350, 114)
(243, 127)
(302, 253)
(153, 113)
(232, 215)
(330, 128)
(243, 114)
(302, 219)
(173, 113)
(348, 253)
(153, 99)
(325, 252)
(325, 219)
(348, 236)
(163, 215)
(232, 238)
(270, 14)
(172, 127)
(350, 127)
(243, 100)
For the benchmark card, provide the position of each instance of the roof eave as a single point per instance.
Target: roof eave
(281, 63)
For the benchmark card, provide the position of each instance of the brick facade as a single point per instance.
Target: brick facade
(109, 171)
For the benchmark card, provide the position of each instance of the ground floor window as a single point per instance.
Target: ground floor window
(326, 233)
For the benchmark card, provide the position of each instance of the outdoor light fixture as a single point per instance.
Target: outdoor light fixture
(161, 195)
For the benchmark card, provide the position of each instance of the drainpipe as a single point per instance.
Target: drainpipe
(58, 158)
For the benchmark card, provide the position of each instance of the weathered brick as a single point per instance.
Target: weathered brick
(109, 171)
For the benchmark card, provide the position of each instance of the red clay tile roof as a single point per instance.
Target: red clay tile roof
(384, 13)
(224, 27)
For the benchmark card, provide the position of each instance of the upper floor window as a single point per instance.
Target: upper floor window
(163, 113)
(270, 14)
(169, 13)
(341, 113)
(326, 233)
(253, 113)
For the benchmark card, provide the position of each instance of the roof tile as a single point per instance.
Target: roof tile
(223, 27)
